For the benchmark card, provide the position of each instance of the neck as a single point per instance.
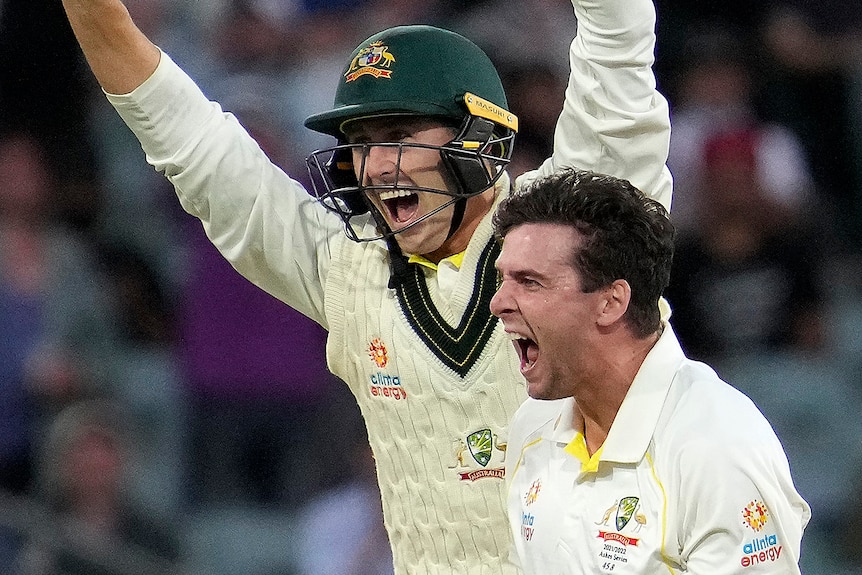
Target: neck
(598, 402)
(476, 209)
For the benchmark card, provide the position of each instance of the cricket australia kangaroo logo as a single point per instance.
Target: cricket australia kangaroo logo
(625, 511)
(480, 446)
(484, 447)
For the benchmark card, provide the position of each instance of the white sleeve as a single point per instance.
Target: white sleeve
(740, 513)
(262, 221)
(614, 121)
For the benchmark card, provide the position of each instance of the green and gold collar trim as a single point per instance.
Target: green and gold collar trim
(458, 348)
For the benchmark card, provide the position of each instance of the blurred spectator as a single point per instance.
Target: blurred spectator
(137, 211)
(142, 375)
(82, 482)
(716, 93)
(273, 63)
(53, 306)
(37, 49)
(258, 387)
(347, 519)
(749, 271)
(815, 50)
(527, 33)
(536, 91)
(850, 539)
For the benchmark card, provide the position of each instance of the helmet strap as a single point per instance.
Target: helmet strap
(398, 263)
(460, 207)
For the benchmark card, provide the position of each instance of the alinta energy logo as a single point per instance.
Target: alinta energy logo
(755, 516)
(383, 384)
(527, 518)
(377, 351)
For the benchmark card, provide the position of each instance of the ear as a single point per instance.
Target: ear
(615, 303)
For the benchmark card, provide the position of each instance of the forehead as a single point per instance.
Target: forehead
(540, 247)
(364, 127)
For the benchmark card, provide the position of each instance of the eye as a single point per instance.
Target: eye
(527, 282)
(401, 135)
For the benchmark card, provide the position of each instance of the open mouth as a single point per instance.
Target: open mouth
(527, 350)
(401, 205)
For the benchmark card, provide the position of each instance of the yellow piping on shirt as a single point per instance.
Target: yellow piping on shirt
(518, 464)
(664, 556)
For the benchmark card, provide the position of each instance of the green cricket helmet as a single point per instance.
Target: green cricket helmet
(414, 71)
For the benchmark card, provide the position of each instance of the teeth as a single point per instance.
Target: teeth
(392, 194)
(514, 336)
(525, 344)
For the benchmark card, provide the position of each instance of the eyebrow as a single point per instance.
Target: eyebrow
(521, 273)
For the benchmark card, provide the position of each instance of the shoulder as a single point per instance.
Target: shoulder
(706, 419)
(531, 418)
(700, 396)
(527, 425)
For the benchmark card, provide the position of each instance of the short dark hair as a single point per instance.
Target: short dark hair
(627, 235)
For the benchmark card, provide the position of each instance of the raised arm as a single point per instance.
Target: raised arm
(119, 54)
(262, 221)
(614, 121)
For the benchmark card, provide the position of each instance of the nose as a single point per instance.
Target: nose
(377, 163)
(502, 302)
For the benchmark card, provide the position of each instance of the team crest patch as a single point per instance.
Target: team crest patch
(480, 446)
(625, 510)
(617, 545)
(374, 60)
(483, 448)
(619, 516)
(377, 351)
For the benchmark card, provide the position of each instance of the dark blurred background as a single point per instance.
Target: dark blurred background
(158, 414)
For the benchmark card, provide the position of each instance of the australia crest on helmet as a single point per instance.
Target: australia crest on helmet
(374, 60)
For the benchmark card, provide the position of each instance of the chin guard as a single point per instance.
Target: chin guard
(466, 160)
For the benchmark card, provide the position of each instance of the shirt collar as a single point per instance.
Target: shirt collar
(502, 188)
(635, 422)
(456, 260)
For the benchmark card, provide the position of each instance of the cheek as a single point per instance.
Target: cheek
(555, 320)
(423, 164)
(430, 201)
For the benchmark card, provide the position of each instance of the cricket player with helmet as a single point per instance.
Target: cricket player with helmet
(423, 134)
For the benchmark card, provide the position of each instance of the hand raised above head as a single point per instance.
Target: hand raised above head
(120, 55)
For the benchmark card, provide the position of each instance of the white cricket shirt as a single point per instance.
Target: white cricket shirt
(691, 479)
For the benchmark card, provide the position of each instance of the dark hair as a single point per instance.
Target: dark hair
(627, 235)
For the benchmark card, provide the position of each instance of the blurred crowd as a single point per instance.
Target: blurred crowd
(158, 414)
